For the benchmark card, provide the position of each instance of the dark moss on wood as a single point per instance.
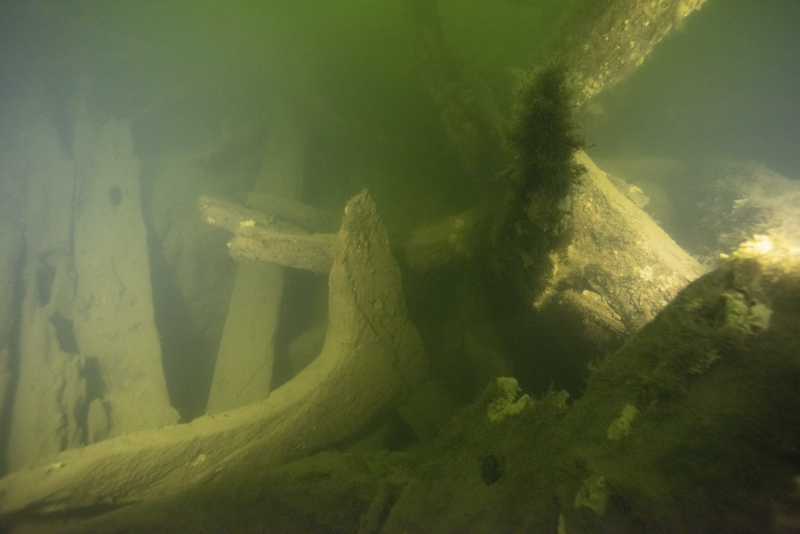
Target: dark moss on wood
(542, 140)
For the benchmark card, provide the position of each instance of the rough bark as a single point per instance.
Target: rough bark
(371, 360)
(621, 268)
(257, 236)
(614, 38)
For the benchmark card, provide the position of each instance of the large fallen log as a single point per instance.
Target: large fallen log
(620, 268)
(371, 360)
(691, 427)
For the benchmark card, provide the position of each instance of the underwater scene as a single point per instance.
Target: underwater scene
(400, 266)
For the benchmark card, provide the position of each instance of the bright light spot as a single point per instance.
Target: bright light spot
(775, 253)
(755, 248)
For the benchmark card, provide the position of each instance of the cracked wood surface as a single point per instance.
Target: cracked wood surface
(371, 360)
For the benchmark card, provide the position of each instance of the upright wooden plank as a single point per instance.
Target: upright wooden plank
(113, 315)
(50, 395)
(243, 371)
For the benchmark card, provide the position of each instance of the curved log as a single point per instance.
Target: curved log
(371, 360)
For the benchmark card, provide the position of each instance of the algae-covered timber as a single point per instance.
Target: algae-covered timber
(690, 427)
(534, 222)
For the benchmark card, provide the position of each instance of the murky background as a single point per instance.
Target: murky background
(200, 85)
